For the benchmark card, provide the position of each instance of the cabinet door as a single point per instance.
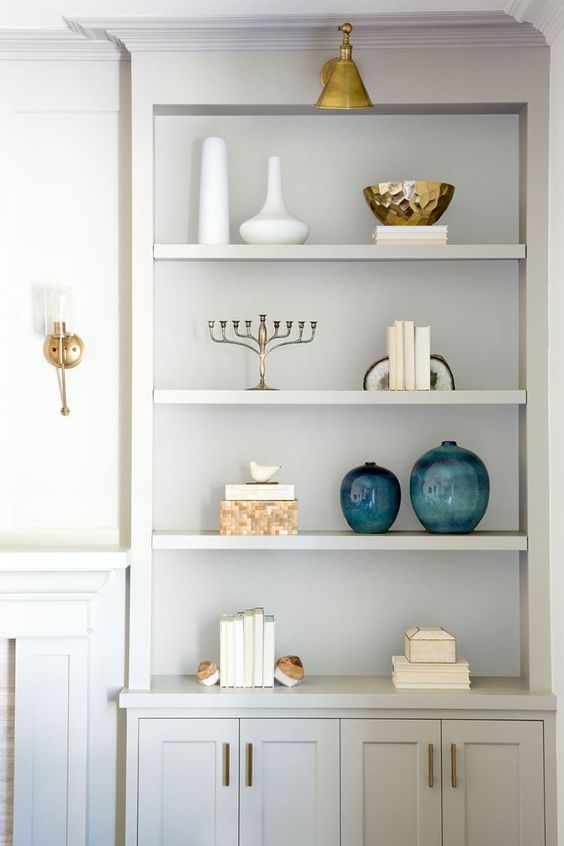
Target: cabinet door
(391, 783)
(188, 782)
(493, 793)
(289, 782)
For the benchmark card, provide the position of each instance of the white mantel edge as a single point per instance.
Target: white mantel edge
(49, 593)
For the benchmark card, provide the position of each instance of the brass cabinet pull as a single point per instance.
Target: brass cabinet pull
(226, 764)
(453, 764)
(431, 773)
(249, 779)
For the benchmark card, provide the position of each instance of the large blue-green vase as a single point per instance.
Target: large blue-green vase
(370, 498)
(449, 489)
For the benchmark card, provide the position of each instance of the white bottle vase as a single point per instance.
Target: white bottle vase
(213, 222)
(274, 224)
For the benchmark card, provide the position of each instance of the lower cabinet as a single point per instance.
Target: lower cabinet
(493, 788)
(391, 782)
(491, 792)
(188, 789)
(354, 782)
(263, 782)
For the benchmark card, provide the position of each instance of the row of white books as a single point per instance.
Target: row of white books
(409, 355)
(414, 236)
(246, 649)
(411, 676)
(254, 492)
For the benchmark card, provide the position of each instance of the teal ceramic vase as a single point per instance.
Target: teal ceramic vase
(449, 489)
(370, 498)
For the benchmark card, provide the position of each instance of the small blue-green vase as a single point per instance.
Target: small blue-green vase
(370, 498)
(449, 489)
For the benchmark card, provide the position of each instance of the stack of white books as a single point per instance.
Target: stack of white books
(253, 492)
(409, 355)
(246, 649)
(417, 676)
(411, 236)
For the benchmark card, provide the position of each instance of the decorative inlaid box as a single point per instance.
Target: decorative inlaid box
(266, 517)
(430, 646)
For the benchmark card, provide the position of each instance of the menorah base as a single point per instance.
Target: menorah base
(262, 387)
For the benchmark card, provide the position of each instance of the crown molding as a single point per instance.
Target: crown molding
(48, 45)
(547, 16)
(309, 32)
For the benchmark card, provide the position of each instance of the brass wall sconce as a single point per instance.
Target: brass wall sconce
(62, 348)
(343, 87)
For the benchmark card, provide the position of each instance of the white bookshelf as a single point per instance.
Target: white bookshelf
(339, 252)
(341, 600)
(345, 541)
(172, 396)
(469, 291)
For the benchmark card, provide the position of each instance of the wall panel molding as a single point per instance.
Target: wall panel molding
(51, 737)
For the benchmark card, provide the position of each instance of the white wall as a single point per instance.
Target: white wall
(556, 304)
(64, 220)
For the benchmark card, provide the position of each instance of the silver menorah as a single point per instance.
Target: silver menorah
(262, 341)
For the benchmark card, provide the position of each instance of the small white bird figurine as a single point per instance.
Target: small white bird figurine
(263, 473)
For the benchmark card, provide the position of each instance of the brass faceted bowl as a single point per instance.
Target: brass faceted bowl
(410, 202)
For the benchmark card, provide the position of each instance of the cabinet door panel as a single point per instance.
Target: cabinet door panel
(294, 796)
(499, 795)
(386, 792)
(183, 800)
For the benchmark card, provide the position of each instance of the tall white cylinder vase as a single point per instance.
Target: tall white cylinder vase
(213, 221)
(274, 224)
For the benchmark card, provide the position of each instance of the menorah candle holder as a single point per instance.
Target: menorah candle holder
(262, 344)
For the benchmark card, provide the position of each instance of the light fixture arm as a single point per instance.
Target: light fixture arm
(64, 350)
(346, 46)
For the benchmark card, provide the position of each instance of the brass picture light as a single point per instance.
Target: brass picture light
(343, 87)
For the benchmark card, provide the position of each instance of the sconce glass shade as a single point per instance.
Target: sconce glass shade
(343, 87)
(58, 307)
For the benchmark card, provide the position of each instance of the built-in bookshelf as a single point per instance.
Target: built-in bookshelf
(197, 427)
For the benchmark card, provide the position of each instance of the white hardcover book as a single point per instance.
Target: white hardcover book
(400, 378)
(409, 354)
(258, 636)
(431, 685)
(412, 242)
(249, 647)
(223, 651)
(229, 650)
(411, 231)
(423, 358)
(268, 667)
(391, 350)
(259, 493)
(239, 650)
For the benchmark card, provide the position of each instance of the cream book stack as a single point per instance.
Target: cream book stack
(411, 236)
(430, 676)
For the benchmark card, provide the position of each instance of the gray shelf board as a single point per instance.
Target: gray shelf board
(340, 692)
(338, 252)
(180, 396)
(343, 540)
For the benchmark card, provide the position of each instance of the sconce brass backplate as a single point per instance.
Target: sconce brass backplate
(71, 346)
(327, 70)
